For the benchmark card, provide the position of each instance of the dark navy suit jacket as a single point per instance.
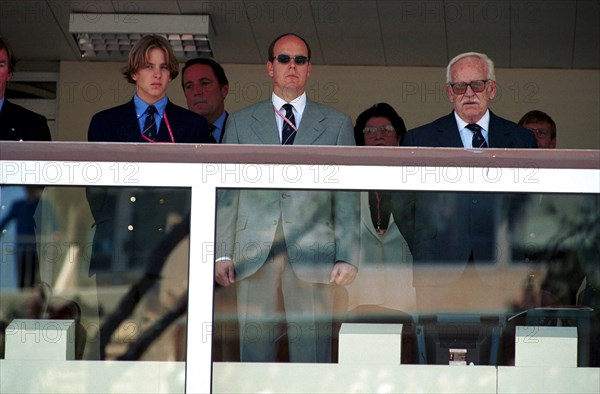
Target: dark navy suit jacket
(443, 132)
(455, 227)
(120, 124)
(111, 206)
(18, 123)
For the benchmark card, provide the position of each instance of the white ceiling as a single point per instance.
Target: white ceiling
(514, 33)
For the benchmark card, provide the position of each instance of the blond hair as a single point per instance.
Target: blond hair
(139, 54)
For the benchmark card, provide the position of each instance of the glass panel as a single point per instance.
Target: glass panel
(460, 270)
(114, 259)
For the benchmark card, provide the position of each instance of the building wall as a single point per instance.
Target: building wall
(571, 97)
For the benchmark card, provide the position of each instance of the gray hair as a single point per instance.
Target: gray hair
(482, 56)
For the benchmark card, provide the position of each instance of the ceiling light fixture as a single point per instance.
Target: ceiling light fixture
(111, 36)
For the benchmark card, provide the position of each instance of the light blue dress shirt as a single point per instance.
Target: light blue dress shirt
(466, 135)
(141, 106)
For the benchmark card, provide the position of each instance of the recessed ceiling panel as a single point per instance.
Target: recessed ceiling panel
(479, 26)
(514, 33)
(31, 27)
(586, 51)
(271, 19)
(413, 32)
(542, 34)
(349, 32)
(232, 38)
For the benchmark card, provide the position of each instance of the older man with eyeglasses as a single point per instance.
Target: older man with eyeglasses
(458, 230)
(470, 86)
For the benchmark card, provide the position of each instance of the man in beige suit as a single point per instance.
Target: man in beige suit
(287, 248)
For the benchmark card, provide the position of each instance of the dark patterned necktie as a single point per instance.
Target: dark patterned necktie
(150, 123)
(211, 137)
(478, 140)
(288, 133)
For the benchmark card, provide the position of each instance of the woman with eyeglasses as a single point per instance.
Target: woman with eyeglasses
(385, 277)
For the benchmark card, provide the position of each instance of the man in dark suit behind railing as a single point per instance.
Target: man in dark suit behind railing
(459, 228)
(130, 222)
(20, 124)
(17, 123)
(205, 86)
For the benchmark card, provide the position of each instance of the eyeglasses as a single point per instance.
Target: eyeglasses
(476, 86)
(285, 59)
(386, 130)
(539, 133)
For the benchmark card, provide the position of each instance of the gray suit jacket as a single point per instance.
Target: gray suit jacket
(320, 125)
(319, 227)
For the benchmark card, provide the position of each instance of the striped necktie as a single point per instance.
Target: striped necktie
(150, 123)
(288, 133)
(211, 137)
(478, 140)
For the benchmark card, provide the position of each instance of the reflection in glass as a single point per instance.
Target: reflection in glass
(546, 254)
(477, 262)
(116, 264)
(286, 251)
(19, 205)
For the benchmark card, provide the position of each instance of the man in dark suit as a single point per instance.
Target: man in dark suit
(307, 239)
(17, 123)
(151, 67)
(205, 86)
(460, 228)
(130, 222)
(20, 124)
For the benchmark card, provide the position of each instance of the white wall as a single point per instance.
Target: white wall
(571, 97)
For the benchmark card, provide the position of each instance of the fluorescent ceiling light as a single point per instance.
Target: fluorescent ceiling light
(111, 36)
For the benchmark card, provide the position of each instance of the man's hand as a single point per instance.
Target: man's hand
(224, 272)
(342, 273)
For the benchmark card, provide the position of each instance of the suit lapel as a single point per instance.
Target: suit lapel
(310, 127)
(263, 124)
(129, 129)
(366, 217)
(448, 134)
(4, 119)
(497, 137)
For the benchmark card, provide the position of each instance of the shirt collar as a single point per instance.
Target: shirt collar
(466, 135)
(299, 103)
(141, 105)
(220, 122)
(484, 122)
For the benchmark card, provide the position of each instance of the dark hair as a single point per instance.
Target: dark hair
(12, 61)
(216, 67)
(383, 110)
(139, 55)
(539, 116)
(272, 46)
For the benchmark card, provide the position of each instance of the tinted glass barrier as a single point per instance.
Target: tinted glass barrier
(460, 248)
